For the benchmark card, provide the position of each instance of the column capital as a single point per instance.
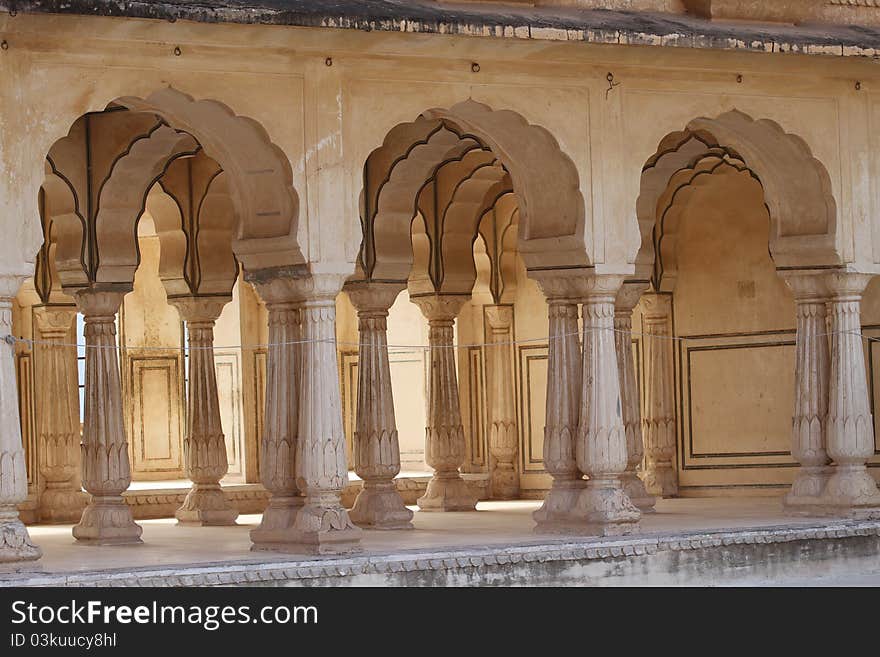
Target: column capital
(10, 284)
(370, 297)
(561, 284)
(441, 307)
(54, 321)
(656, 307)
(101, 300)
(628, 296)
(807, 285)
(199, 309)
(499, 317)
(843, 284)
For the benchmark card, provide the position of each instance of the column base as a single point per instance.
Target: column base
(637, 493)
(61, 506)
(15, 542)
(107, 520)
(321, 527)
(851, 492)
(277, 522)
(805, 495)
(660, 480)
(379, 506)
(557, 513)
(603, 509)
(504, 484)
(447, 491)
(207, 506)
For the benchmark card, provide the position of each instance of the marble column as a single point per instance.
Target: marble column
(503, 440)
(106, 469)
(850, 491)
(280, 425)
(659, 421)
(808, 429)
(601, 451)
(376, 448)
(63, 499)
(445, 447)
(564, 379)
(204, 447)
(627, 299)
(322, 524)
(15, 542)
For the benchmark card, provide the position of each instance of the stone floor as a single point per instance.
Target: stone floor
(495, 527)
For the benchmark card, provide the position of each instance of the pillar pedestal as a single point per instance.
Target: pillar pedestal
(376, 447)
(107, 519)
(445, 447)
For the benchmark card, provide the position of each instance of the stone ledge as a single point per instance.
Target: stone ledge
(728, 555)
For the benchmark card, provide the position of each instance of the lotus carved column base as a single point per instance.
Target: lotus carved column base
(447, 491)
(805, 496)
(322, 526)
(557, 514)
(107, 520)
(660, 480)
(637, 492)
(604, 509)
(62, 505)
(15, 543)
(206, 505)
(277, 523)
(379, 506)
(851, 492)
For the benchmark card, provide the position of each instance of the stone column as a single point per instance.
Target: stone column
(445, 448)
(564, 372)
(106, 470)
(502, 412)
(627, 299)
(280, 426)
(376, 448)
(204, 447)
(322, 524)
(58, 420)
(850, 491)
(15, 542)
(659, 421)
(603, 507)
(808, 441)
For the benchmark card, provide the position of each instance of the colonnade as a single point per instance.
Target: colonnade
(594, 442)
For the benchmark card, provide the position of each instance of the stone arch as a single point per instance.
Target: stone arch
(545, 180)
(797, 187)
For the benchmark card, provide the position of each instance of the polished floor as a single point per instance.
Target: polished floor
(494, 523)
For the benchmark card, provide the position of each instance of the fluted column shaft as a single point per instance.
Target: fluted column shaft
(58, 416)
(322, 524)
(502, 412)
(15, 542)
(204, 447)
(601, 449)
(105, 459)
(808, 430)
(376, 449)
(445, 447)
(564, 369)
(659, 421)
(627, 298)
(850, 429)
(281, 422)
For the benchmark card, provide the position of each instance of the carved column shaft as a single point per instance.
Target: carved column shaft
(322, 524)
(850, 430)
(280, 426)
(376, 448)
(15, 542)
(502, 411)
(808, 439)
(627, 299)
(601, 449)
(204, 447)
(564, 368)
(105, 459)
(445, 447)
(659, 421)
(58, 416)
